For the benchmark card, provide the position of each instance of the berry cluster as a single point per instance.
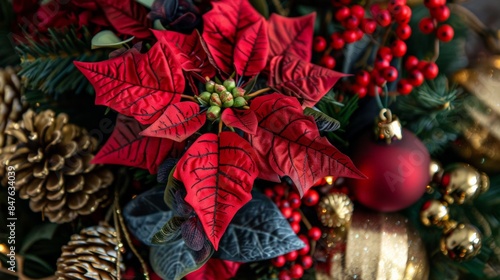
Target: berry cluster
(390, 27)
(217, 96)
(439, 13)
(293, 264)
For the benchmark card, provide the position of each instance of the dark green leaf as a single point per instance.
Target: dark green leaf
(147, 214)
(258, 232)
(323, 121)
(169, 232)
(173, 185)
(38, 233)
(176, 260)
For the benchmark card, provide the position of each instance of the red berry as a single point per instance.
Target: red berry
(295, 218)
(319, 44)
(286, 212)
(294, 200)
(358, 11)
(390, 73)
(445, 33)
(359, 34)
(351, 22)
(269, 193)
(368, 25)
(284, 275)
(305, 250)
(279, 261)
(385, 53)
(416, 78)
(377, 78)
(381, 63)
(306, 262)
(426, 25)
(384, 18)
(295, 227)
(403, 31)
(304, 238)
(342, 13)
(328, 61)
(372, 88)
(314, 233)
(430, 71)
(411, 62)
(291, 256)
(296, 271)
(284, 203)
(402, 14)
(398, 48)
(279, 189)
(359, 90)
(337, 41)
(350, 36)
(362, 78)
(394, 3)
(311, 197)
(344, 2)
(404, 87)
(434, 3)
(441, 13)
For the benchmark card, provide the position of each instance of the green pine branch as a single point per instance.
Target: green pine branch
(47, 64)
(432, 112)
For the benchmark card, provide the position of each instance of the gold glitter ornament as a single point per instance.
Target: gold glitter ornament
(434, 212)
(379, 246)
(91, 254)
(461, 243)
(335, 210)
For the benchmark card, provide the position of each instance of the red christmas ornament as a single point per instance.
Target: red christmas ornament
(398, 173)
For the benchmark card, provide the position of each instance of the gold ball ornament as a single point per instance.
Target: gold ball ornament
(461, 183)
(378, 246)
(435, 170)
(434, 212)
(335, 210)
(461, 243)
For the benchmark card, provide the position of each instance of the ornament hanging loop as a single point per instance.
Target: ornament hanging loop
(388, 127)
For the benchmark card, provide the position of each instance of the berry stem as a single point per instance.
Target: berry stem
(220, 126)
(305, 220)
(188, 97)
(256, 93)
(436, 50)
(246, 107)
(377, 98)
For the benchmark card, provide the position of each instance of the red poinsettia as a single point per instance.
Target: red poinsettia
(256, 133)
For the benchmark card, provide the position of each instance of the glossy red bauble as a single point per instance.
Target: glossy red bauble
(398, 173)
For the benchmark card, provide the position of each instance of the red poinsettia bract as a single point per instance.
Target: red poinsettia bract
(270, 138)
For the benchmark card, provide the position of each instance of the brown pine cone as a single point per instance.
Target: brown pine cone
(11, 106)
(92, 254)
(52, 162)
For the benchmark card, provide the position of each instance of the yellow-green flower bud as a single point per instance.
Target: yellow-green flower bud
(226, 98)
(213, 113)
(215, 100)
(229, 84)
(239, 102)
(238, 92)
(210, 86)
(205, 96)
(219, 88)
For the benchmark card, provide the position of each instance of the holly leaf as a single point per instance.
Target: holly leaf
(289, 143)
(218, 173)
(127, 17)
(189, 51)
(137, 85)
(215, 269)
(176, 260)
(291, 36)
(258, 232)
(126, 147)
(303, 80)
(178, 122)
(241, 119)
(236, 34)
(147, 214)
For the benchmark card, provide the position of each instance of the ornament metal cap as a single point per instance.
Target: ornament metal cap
(388, 127)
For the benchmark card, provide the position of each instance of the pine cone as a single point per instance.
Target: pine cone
(92, 254)
(52, 161)
(11, 106)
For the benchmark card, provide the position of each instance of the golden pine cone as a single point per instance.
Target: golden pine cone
(11, 106)
(52, 161)
(92, 254)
